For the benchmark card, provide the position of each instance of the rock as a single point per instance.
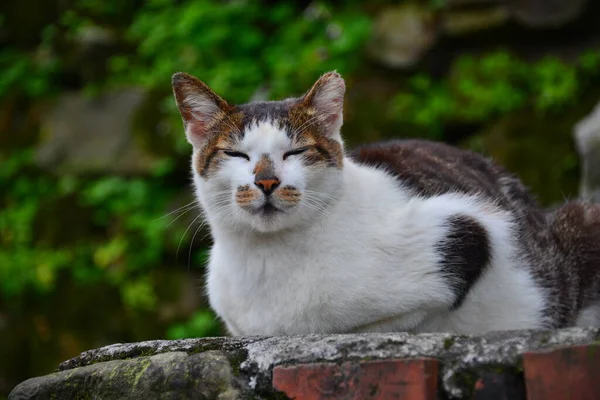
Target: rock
(462, 22)
(545, 13)
(169, 375)
(531, 13)
(89, 52)
(467, 3)
(401, 35)
(243, 367)
(82, 134)
(93, 35)
(587, 138)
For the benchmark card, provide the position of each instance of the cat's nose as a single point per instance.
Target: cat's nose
(267, 185)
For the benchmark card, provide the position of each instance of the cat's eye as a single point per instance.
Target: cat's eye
(294, 152)
(236, 154)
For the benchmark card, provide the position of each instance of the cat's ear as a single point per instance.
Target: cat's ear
(326, 97)
(199, 106)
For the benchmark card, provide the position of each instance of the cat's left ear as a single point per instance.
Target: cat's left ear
(199, 105)
(326, 97)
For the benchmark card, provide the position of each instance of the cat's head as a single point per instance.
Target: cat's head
(266, 166)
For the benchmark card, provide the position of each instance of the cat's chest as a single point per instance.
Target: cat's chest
(266, 290)
(282, 290)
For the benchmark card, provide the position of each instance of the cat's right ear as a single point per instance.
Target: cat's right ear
(326, 98)
(199, 106)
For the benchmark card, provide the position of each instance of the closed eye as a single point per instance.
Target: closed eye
(295, 152)
(236, 154)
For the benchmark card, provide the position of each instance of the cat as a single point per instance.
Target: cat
(406, 235)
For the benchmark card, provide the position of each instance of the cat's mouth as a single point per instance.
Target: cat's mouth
(267, 209)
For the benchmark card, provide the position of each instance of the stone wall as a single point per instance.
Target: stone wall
(535, 365)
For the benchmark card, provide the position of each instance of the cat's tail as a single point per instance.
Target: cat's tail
(575, 228)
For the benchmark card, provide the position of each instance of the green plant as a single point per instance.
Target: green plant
(202, 323)
(485, 87)
(553, 84)
(30, 73)
(22, 264)
(275, 45)
(125, 212)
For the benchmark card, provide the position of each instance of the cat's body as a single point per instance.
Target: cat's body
(400, 236)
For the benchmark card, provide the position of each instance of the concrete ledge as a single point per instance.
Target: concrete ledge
(327, 366)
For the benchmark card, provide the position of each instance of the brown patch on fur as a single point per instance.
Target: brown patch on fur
(308, 130)
(264, 168)
(219, 128)
(264, 175)
(246, 195)
(288, 194)
(185, 85)
(224, 134)
(319, 85)
(310, 123)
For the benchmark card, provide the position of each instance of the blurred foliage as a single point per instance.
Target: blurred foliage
(130, 237)
(24, 72)
(485, 87)
(203, 323)
(22, 264)
(273, 45)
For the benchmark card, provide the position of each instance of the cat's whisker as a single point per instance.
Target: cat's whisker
(307, 124)
(315, 196)
(300, 128)
(179, 216)
(320, 194)
(180, 209)
(238, 131)
(220, 206)
(192, 245)
(207, 234)
(322, 211)
(184, 233)
(315, 207)
(226, 121)
(324, 202)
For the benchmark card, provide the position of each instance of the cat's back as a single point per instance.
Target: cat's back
(561, 248)
(430, 169)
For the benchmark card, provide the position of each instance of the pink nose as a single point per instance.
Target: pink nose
(267, 185)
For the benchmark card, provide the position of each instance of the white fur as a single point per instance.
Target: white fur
(361, 257)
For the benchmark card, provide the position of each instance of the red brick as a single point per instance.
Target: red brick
(568, 373)
(414, 379)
